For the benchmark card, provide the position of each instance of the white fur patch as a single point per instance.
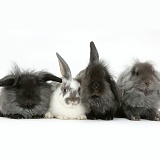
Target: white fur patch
(59, 108)
(75, 85)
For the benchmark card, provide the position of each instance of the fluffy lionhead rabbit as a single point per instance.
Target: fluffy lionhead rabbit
(99, 92)
(140, 89)
(65, 101)
(25, 94)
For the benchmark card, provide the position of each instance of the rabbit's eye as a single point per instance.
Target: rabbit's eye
(137, 73)
(79, 90)
(65, 90)
(18, 86)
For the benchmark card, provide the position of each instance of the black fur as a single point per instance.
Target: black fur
(99, 92)
(26, 94)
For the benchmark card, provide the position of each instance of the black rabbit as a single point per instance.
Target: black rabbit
(99, 92)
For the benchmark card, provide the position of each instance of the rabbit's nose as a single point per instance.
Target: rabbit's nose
(73, 101)
(95, 85)
(30, 104)
(147, 83)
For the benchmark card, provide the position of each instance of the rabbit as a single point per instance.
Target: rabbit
(25, 94)
(140, 91)
(99, 92)
(65, 100)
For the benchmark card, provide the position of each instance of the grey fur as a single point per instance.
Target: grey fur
(10, 106)
(80, 75)
(140, 91)
(99, 92)
(25, 94)
(103, 104)
(65, 70)
(94, 56)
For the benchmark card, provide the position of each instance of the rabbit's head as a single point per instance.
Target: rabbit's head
(26, 86)
(143, 77)
(95, 82)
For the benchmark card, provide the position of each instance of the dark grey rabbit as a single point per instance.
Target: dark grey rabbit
(140, 91)
(99, 92)
(25, 94)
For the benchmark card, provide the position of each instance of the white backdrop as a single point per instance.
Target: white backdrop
(31, 32)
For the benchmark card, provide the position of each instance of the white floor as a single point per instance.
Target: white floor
(75, 139)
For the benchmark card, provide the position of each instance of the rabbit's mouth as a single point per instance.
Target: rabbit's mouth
(29, 106)
(95, 95)
(145, 90)
(148, 91)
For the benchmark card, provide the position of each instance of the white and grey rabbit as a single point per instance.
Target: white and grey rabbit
(99, 92)
(25, 94)
(140, 91)
(65, 100)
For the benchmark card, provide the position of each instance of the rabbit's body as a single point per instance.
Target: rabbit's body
(99, 92)
(65, 100)
(62, 110)
(25, 94)
(140, 90)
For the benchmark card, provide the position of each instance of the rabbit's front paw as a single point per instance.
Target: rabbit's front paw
(48, 115)
(63, 117)
(135, 118)
(157, 119)
(82, 117)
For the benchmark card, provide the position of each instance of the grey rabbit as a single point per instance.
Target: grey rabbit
(140, 91)
(99, 92)
(25, 94)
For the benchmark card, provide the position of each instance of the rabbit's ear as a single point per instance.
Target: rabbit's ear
(157, 75)
(115, 90)
(7, 81)
(45, 76)
(64, 68)
(81, 74)
(94, 56)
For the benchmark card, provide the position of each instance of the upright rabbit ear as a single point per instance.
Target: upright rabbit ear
(64, 68)
(45, 76)
(7, 81)
(94, 56)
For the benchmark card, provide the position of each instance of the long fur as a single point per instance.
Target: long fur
(140, 91)
(103, 101)
(25, 94)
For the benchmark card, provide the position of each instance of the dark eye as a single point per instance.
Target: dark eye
(137, 73)
(87, 74)
(65, 90)
(104, 72)
(18, 86)
(79, 90)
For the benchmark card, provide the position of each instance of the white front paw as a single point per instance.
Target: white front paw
(49, 115)
(63, 117)
(82, 117)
